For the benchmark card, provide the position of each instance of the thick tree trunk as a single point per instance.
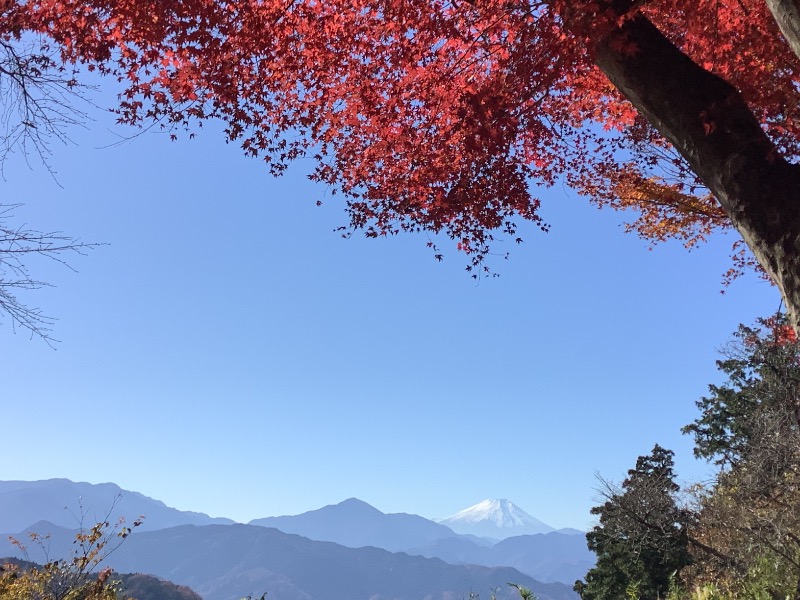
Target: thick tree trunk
(797, 589)
(707, 121)
(787, 15)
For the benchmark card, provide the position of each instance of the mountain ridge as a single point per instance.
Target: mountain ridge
(225, 561)
(71, 504)
(547, 557)
(352, 523)
(355, 524)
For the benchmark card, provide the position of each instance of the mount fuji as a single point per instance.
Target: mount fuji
(495, 518)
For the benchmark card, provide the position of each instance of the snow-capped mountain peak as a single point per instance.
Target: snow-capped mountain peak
(501, 512)
(495, 518)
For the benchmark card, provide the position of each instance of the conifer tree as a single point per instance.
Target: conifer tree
(641, 540)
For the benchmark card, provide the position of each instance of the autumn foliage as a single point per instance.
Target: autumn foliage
(440, 115)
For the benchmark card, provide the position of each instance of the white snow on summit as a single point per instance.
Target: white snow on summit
(495, 518)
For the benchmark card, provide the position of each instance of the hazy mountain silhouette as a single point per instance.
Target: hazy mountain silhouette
(570, 531)
(552, 557)
(549, 557)
(67, 503)
(226, 562)
(356, 524)
(543, 556)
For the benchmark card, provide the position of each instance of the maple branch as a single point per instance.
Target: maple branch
(473, 42)
(719, 137)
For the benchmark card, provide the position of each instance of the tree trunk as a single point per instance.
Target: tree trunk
(797, 589)
(787, 15)
(707, 121)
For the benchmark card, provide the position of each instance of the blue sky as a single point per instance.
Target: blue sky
(227, 352)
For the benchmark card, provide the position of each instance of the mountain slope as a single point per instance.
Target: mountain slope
(495, 518)
(67, 503)
(551, 557)
(356, 524)
(546, 557)
(224, 562)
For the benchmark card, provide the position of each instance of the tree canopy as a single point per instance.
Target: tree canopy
(757, 407)
(737, 536)
(438, 115)
(750, 426)
(640, 540)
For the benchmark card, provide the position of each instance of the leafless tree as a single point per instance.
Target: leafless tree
(17, 246)
(39, 100)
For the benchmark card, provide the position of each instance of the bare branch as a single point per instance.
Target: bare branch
(39, 99)
(17, 245)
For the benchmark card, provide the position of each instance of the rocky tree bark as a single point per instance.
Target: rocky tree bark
(787, 16)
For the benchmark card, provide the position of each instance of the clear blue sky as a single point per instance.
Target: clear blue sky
(227, 352)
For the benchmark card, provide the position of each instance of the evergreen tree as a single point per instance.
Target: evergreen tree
(641, 540)
(750, 426)
(757, 410)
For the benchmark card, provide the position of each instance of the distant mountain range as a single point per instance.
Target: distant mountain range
(548, 556)
(227, 562)
(67, 504)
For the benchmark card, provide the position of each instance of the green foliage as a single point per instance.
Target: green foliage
(759, 398)
(744, 529)
(641, 540)
(632, 590)
(524, 593)
(768, 578)
(750, 427)
(707, 591)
